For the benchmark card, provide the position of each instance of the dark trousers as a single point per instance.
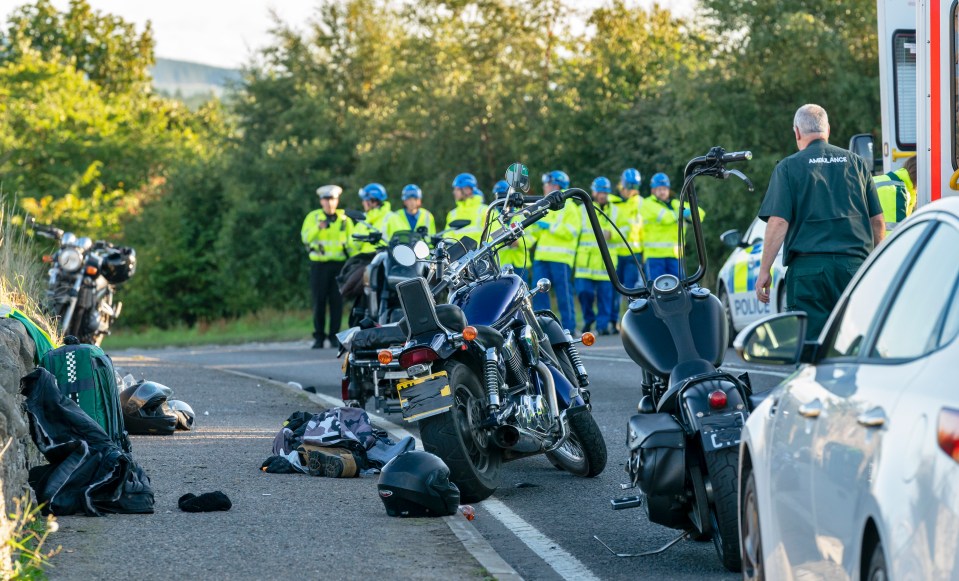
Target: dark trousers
(323, 290)
(814, 283)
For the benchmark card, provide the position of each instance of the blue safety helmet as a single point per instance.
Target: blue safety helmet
(501, 188)
(659, 180)
(373, 192)
(603, 185)
(412, 191)
(631, 179)
(465, 180)
(558, 178)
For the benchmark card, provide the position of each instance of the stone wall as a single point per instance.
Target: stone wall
(18, 451)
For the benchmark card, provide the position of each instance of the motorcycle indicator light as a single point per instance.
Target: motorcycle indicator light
(47, 258)
(385, 357)
(417, 356)
(948, 432)
(588, 339)
(469, 333)
(717, 399)
(92, 270)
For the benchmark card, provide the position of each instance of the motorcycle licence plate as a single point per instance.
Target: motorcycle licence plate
(722, 431)
(424, 397)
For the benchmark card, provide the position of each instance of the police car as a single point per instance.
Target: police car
(736, 286)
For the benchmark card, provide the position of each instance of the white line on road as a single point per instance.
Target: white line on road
(566, 565)
(729, 367)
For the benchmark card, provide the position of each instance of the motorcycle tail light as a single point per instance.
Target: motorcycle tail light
(588, 339)
(469, 333)
(949, 432)
(92, 270)
(417, 356)
(47, 258)
(717, 399)
(385, 357)
(345, 388)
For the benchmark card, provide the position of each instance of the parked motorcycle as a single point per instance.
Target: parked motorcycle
(489, 379)
(684, 442)
(83, 280)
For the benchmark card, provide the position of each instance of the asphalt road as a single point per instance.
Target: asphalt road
(550, 515)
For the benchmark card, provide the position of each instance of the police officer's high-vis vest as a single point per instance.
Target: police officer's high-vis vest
(630, 223)
(660, 227)
(589, 258)
(376, 218)
(398, 222)
(558, 241)
(896, 196)
(328, 244)
(472, 209)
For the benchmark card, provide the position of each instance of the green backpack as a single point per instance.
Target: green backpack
(85, 374)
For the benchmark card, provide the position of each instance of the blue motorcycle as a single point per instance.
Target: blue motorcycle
(490, 380)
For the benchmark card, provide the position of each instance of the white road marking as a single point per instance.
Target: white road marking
(566, 565)
(480, 548)
(729, 367)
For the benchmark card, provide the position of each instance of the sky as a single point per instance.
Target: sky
(226, 33)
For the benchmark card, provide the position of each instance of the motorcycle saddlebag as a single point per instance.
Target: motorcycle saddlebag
(657, 445)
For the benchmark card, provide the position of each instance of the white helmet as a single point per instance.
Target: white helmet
(329, 192)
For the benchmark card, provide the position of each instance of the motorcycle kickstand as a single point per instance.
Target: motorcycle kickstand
(683, 536)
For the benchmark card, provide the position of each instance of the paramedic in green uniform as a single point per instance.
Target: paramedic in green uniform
(822, 204)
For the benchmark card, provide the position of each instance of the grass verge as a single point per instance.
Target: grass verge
(266, 325)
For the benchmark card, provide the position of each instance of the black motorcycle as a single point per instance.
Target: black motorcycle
(490, 380)
(83, 281)
(684, 442)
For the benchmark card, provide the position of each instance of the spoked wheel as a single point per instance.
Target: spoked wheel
(584, 451)
(749, 531)
(458, 438)
(722, 469)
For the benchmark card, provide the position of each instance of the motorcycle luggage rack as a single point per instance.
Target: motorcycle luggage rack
(683, 536)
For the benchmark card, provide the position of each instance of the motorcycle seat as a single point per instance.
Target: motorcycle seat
(379, 337)
(451, 317)
(688, 369)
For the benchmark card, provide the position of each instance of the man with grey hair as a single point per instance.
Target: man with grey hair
(822, 204)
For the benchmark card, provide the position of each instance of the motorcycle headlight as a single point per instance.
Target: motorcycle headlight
(70, 259)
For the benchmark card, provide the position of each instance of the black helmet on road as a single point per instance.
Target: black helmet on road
(417, 483)
(145, 409)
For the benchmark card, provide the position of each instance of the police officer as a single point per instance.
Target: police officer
(377, 208)
(557, 235)
(661, 216)
(516, 254)
(592, 280)
(326, 235)
(822, 204)
(413, 216)
(897, 193)
(630, 223)
(469, 206)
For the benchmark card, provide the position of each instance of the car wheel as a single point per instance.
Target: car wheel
(750, 539)
(724, 299)
(877, 565)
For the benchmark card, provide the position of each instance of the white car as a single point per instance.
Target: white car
(849, 469)
(736, 286)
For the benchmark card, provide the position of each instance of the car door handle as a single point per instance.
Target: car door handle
(811, 410)
(873, 418)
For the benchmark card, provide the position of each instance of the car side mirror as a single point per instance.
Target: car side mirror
(863, 145)
(777, 339)
(731, 238)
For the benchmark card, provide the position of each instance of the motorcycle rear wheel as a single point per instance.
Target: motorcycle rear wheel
(722, 469)
(455, 436)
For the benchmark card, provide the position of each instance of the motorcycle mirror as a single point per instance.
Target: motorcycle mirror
(404, 255)
(543, 285)
(356, 215)
(517, 176)
(421, 250)
(457, 224)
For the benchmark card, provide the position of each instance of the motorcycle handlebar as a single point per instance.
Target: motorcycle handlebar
(737, 156)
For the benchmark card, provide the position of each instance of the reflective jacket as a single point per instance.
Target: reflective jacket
(897, 196)
(558, 240)
(398, 222)
(589, 259)
(519, 257)
(660, 227)
(376, 218)
(472, 209)
(330, 244)
(630, 223)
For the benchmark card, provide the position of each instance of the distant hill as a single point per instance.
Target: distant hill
(190, 79)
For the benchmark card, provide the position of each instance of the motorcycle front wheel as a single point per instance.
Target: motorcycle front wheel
(584, 451)
(459, 440)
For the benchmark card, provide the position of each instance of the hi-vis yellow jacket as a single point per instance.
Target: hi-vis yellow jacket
(589, 259)
(472, 209)
(330, 244)
(557, 242)
(660, 227)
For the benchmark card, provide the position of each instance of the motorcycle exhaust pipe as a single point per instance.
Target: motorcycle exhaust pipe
(513, 438)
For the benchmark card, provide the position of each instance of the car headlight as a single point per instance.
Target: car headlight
(70, 259)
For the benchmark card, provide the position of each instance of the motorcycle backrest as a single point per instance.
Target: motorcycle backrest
(418, 306)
